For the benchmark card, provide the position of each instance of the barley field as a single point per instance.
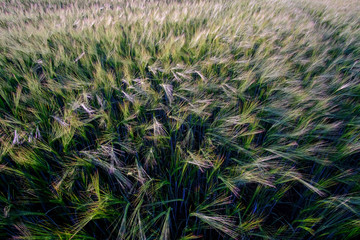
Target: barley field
(165, 119)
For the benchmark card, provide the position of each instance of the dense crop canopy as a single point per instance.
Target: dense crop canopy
(179, 119)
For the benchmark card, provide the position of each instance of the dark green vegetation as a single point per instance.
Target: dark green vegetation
(179, 120)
